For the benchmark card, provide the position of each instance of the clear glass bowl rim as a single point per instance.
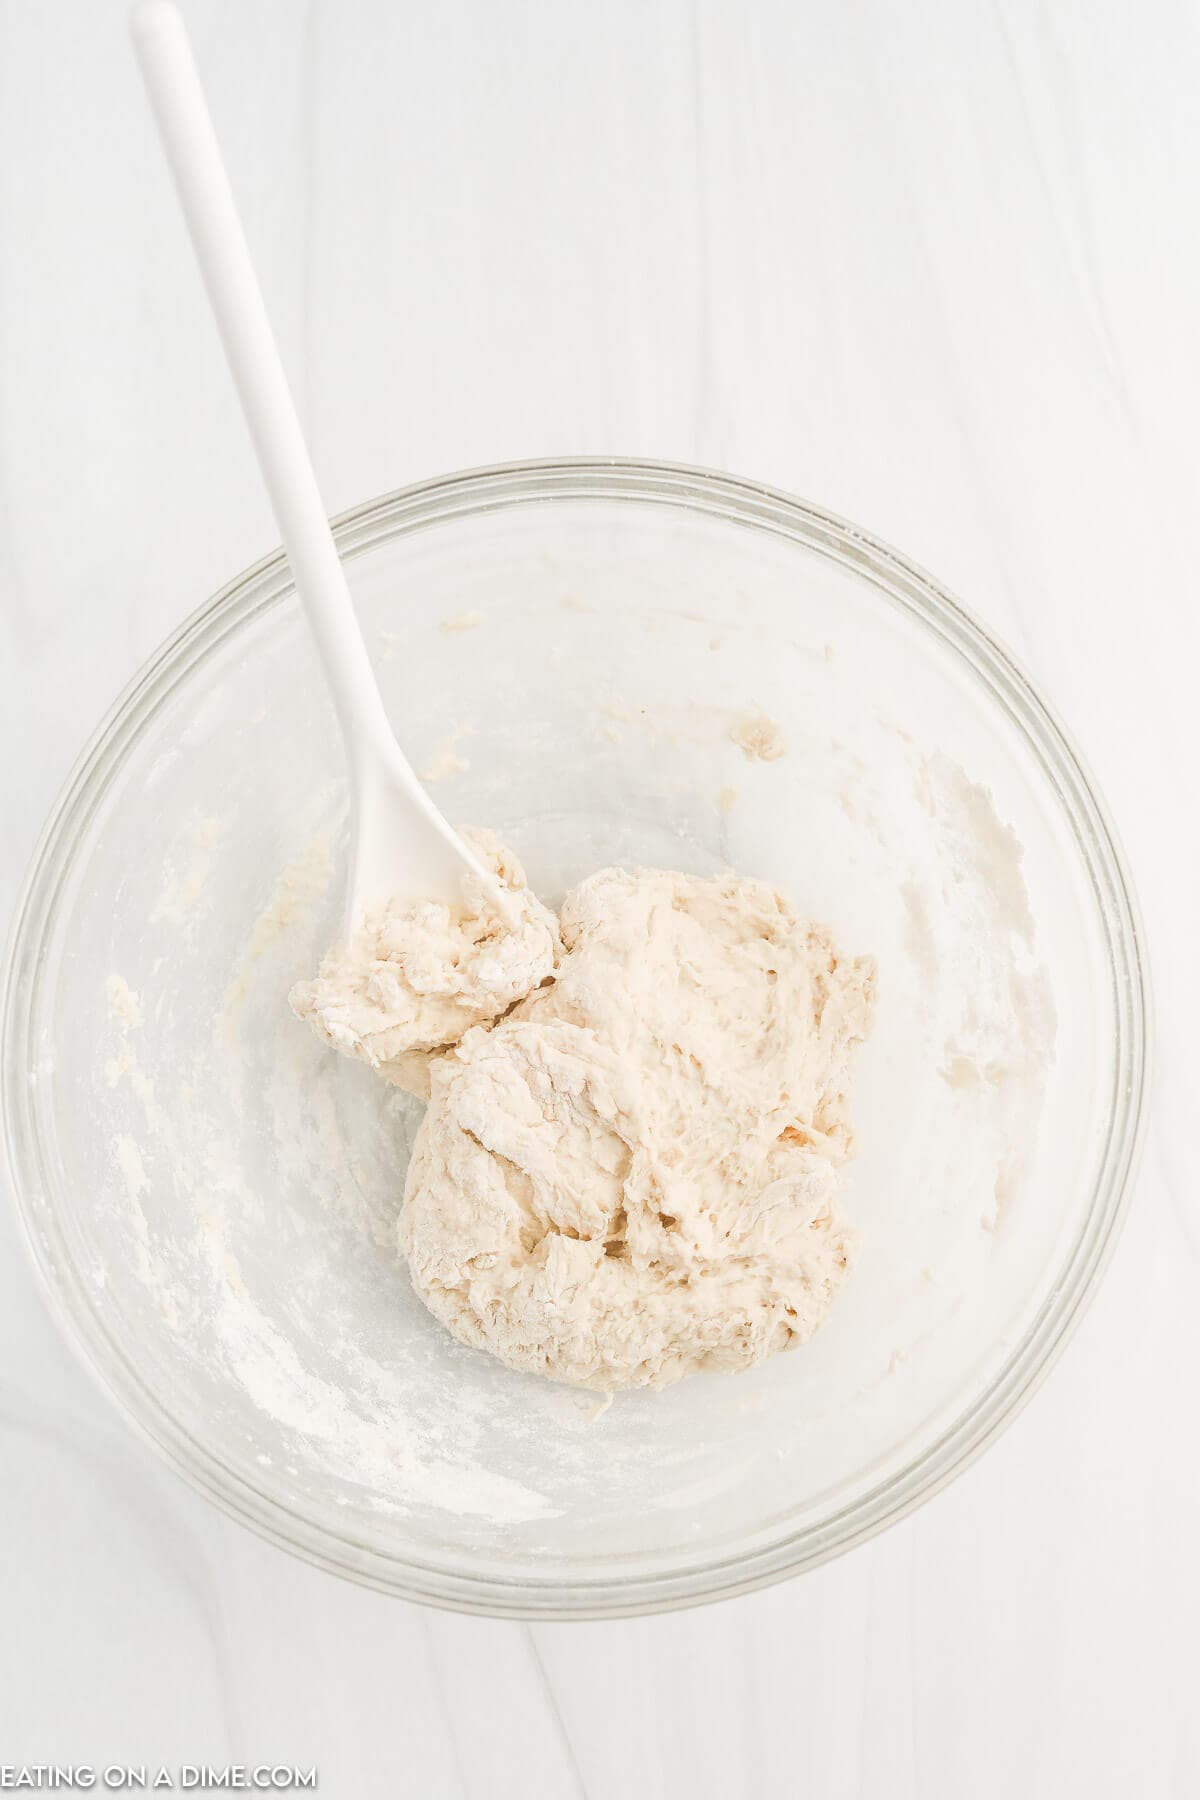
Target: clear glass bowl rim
(534, 1594)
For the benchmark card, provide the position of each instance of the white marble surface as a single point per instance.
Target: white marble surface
(935, 266)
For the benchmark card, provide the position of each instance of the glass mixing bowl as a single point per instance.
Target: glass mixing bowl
(571, 650)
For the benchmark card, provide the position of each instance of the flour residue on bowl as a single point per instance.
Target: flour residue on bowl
(1000, 1036)
(300, 889)
(446, 758)
(355, 1414)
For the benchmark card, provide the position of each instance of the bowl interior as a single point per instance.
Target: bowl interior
(215, 1195)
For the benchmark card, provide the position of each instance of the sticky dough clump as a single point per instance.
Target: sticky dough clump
(634, 1173)
(413, 979)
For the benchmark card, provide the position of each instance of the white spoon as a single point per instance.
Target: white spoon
(401, 842)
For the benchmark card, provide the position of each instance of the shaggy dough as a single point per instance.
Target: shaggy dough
(634, 1173)
(414, 978)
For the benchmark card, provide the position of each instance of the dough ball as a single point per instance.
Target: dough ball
(635, 1174)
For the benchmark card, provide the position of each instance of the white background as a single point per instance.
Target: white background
(935, 265)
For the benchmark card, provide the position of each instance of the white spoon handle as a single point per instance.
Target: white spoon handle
(402, 844)
(173, 84)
